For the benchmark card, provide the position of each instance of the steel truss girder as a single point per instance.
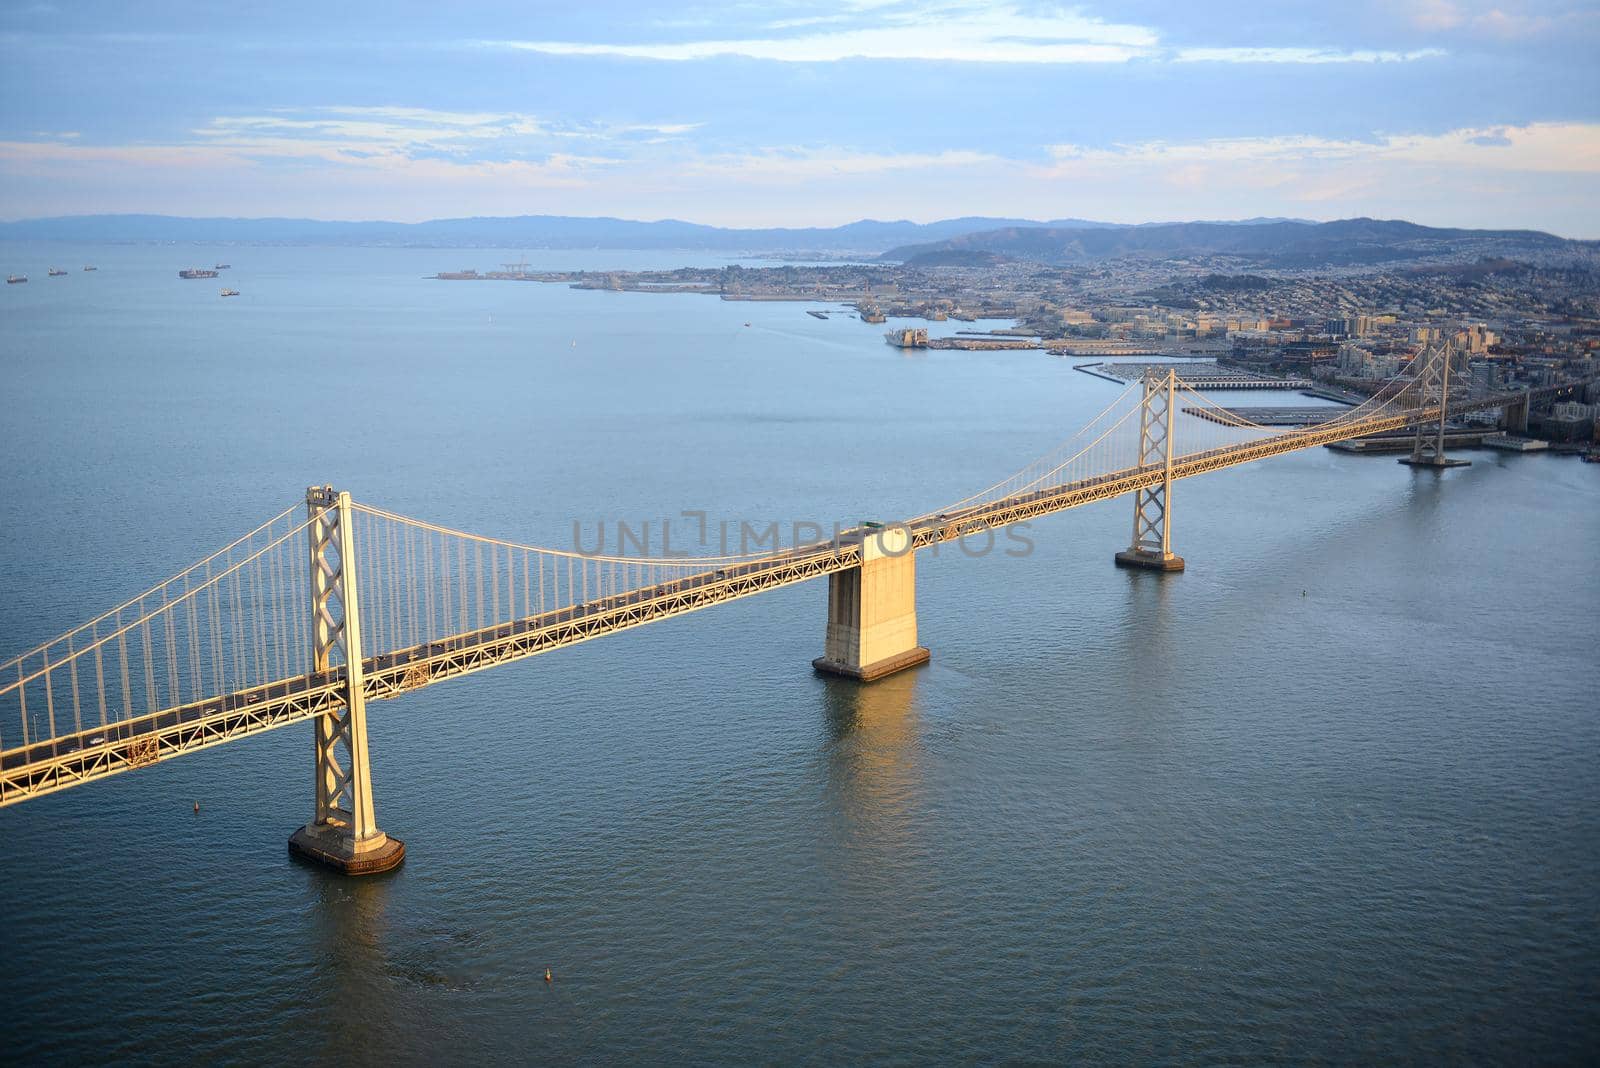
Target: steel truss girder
(172, 732)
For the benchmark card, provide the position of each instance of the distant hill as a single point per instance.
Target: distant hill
(1277, 243)
(513, 232)
(868, 236)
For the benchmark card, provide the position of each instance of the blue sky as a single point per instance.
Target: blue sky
(1450, 112)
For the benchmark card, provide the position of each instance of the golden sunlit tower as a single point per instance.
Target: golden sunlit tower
(343, 832)
(1152, 507)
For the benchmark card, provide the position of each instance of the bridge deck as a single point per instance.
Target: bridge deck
(71, 759)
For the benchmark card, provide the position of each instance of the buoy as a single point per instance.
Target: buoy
(547, 975)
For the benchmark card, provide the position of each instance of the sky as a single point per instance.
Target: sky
(1481, 113)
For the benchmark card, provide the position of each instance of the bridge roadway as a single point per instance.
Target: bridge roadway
(71, 759)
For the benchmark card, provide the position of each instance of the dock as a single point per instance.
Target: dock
(983, 344)
(1296, 415)
(1197, 375)
(1402, 441)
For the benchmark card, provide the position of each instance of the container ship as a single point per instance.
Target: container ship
(195, 272)
(911, 338)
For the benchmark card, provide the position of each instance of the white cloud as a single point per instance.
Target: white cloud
(1435, 15)
(1300, 55)
(945, 32)
(948, 32)
(796, 166)
(1539, 175)
(1475, 18)
(1539, 147)
(376, 129)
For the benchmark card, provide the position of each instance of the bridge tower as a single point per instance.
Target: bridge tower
(1151, 547)
(343, 833)
(872, 611)
(1425, 452)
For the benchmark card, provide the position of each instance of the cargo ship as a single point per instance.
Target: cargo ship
(56, 272)
(910, 338)
(196, 272)
(13, 279)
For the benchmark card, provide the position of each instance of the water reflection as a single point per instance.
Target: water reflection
(1148, 610)
(875, 763)
(350, 935)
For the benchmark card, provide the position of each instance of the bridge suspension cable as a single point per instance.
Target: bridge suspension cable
(215, 636)
(234, 620)
(424, 583)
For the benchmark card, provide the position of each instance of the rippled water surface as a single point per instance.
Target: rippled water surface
(1330, 795)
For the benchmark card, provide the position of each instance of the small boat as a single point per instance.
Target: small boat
(56, 272)
(230, 292)
(13, 279)
(91, 268)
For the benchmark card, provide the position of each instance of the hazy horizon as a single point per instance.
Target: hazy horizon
(1442, 112)
(1061, 223)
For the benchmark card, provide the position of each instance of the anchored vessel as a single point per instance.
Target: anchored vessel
(56, 272)
(912, 338)
(196, 272)
(14, 279)
(230, 292)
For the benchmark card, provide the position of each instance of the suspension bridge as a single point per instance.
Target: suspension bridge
(334, 603)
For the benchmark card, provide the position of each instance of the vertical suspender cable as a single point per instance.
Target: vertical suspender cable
(127, 686)
(77, 712)
(99, 671)
(480, 612)
(217, 652)
(494, 582)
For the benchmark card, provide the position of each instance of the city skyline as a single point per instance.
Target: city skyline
(778, 115)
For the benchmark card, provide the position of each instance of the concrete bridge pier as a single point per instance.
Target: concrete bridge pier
(1514, 417)
(872, 611)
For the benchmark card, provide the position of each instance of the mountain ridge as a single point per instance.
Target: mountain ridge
(526, 231)
(1277, 243)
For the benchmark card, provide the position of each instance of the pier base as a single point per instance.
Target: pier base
(872, 612)
(333, 848)
(910, 659)
(1149, 561)
(1433, 461)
